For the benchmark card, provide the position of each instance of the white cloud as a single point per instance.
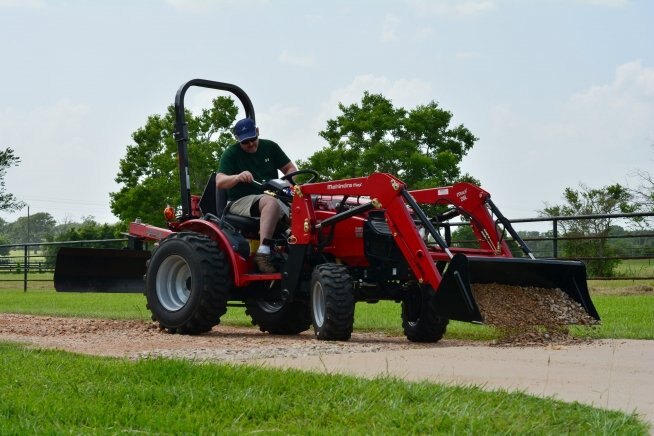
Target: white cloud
(598, 136)
(64, 157)
(296, 130)
(606, 124)
(25, 4)
(292, 128)
(424, 33)
(474, 7)
(203, 6)
(606, 3)
(616, 115)
(297, 61)
(389, 28)
(403, 92)
(464, 55)
(453, 7)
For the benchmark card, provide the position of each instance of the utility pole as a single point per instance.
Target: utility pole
(26, 258)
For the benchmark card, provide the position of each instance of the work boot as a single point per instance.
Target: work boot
(263, 263)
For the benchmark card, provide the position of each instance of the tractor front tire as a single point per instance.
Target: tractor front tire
(420, 318)
(279, 317)
(187, 283)
(332, 302)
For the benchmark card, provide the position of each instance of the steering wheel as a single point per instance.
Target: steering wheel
(290, 176)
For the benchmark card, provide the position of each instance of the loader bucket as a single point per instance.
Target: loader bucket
(100, 270)
(456, 298)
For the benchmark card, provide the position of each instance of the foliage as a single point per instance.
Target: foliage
(8, 202)
(149, 172)
(35, 228)
(610, 199)
(4, 251)
(416, 145)
(88, 230)
(644, 193)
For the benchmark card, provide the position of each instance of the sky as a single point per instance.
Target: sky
(560, 93)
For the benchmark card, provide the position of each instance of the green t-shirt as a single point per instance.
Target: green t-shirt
(263, 165)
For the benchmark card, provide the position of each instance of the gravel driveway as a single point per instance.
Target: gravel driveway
(612, 374)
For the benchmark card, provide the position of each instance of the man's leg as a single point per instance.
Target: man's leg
(269, 217)
(269, 211)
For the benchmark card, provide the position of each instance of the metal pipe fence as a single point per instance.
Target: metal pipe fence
(35, 261)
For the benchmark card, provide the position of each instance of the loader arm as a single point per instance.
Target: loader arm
(385, 192)
(473, 202)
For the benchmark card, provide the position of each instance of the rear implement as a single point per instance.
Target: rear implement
(100, 270)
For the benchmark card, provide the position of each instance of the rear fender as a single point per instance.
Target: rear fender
(208, 228)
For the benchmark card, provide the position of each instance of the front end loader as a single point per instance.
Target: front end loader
(363, 239)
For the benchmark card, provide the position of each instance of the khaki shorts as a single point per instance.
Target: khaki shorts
(243, 206)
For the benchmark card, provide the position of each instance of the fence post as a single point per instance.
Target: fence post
(25, 267)
(555, 241)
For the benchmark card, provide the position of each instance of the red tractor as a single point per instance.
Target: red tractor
(363, 239)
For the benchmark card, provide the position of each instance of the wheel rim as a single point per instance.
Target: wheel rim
(318, 304)
(173, 283)
(271, 306)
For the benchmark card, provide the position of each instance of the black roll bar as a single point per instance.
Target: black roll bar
(181, 132)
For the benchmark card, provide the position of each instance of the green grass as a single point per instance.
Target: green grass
(56, 392)
(52, 392)
(636, 268)
(623, 316)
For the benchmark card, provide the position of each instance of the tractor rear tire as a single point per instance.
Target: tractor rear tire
(279, 317)
(420, 318)
(332, 302)
(187, 283)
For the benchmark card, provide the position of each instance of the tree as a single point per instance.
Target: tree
(416, 145)
(4, 251)
(87, 230)
(644, 193)
(610, 199)
(7, 201)
(149, 171)
(37, 227)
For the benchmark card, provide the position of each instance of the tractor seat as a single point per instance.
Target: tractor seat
(214, 201)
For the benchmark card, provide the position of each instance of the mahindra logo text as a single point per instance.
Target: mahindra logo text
(344, 185)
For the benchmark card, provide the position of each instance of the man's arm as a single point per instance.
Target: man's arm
(288, 168)
(223, 181)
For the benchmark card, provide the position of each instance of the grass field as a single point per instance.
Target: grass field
(47, 392)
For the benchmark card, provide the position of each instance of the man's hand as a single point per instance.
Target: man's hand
(245, 177)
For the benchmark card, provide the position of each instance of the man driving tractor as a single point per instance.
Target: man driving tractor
(254, 159)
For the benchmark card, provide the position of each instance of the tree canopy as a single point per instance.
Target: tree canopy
(612, 199)
(149, 171)
(35, 228)
(8, 201)
(644, 193)
(417, 145)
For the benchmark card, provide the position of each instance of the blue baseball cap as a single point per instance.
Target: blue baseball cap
(245, 129)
